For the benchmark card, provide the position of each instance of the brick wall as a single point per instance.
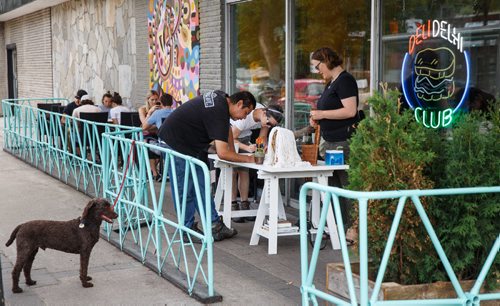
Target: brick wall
(142, 76)
(211, 45)
(3, 66)
(32, 35)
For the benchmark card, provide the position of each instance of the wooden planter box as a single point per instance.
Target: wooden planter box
(336, 284)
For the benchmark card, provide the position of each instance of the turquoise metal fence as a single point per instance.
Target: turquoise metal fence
(331, 195)
(112, 161)
(141, 203)
(62, 146)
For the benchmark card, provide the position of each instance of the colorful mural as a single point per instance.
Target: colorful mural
(174, 47)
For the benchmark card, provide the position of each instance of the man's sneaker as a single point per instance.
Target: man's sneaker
(235, 207)
(221, 232)
(194, 239)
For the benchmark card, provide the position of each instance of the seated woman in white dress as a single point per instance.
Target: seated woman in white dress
(118, 108)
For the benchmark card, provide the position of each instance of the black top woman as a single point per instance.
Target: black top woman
(337, 113)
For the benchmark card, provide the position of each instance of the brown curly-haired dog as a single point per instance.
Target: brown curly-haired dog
(76, 236)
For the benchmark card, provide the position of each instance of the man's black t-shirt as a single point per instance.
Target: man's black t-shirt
(68, 110)
(195, 124)
(343, 87)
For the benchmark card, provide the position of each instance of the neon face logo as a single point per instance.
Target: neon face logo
(428, 74)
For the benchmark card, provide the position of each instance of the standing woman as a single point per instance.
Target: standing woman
(337, 112)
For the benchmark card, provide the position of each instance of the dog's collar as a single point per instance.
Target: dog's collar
(82, 223)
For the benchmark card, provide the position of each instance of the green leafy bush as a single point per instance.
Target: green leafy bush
(391, 151)
(468, 225)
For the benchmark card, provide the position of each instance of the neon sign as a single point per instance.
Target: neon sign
(428, 74)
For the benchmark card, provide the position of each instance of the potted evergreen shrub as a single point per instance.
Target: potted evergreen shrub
(391, 151)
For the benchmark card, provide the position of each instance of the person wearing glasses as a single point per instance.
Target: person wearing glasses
(336, 113)
(261, 118)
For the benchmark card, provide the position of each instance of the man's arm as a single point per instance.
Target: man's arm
(243, 146)
(225, 150)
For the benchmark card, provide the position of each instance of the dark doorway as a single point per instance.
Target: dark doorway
(12, 71)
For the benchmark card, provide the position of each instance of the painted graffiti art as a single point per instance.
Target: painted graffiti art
(174, 47)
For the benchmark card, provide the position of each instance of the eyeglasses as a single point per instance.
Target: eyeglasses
(317, 66)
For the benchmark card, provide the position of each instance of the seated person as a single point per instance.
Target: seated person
(153, 123)
(152, 104)
(107, 104)
(117, 109)
(261, 118)
(68, 109)
(86, 106)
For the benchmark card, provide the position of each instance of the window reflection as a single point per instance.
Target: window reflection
(259, 45)
(324, 23)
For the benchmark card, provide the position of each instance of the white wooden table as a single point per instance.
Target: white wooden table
(271, 202)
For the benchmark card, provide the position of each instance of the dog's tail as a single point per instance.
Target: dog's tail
(13, 235)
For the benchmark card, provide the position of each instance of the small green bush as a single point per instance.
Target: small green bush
(391, 151)
(468, 225)
(388, 152)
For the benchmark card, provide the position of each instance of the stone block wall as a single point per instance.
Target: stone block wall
(211, 45)
(94, 48)
(32, 36)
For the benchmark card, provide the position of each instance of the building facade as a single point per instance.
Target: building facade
(186, 47)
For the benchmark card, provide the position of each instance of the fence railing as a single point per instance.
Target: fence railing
(112, 161)
(331, 198)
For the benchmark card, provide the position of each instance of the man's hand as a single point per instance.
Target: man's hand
(225, 153)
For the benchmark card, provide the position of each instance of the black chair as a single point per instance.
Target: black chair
(100, 117)
(46, 107)
(130, 119)
(57, 109)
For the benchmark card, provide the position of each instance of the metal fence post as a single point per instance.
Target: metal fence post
(2, 299)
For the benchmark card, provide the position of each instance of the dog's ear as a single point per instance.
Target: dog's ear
(87, 208)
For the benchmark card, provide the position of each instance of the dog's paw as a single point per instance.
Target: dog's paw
(87, 285)
(30, 282)
(17, 290)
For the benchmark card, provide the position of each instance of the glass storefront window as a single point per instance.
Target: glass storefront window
(258, 50)
(334, 24)
(478, 22)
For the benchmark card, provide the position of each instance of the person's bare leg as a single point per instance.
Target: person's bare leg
(244, 184)
(235, 185)
(234, 203)
(152, 164)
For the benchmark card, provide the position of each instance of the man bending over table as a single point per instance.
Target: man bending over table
(190, 130)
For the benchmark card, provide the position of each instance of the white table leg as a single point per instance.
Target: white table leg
(281, 206)
(273, 216)
(219, 191)
(261, 214)
(228, 187)
(330, 220)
